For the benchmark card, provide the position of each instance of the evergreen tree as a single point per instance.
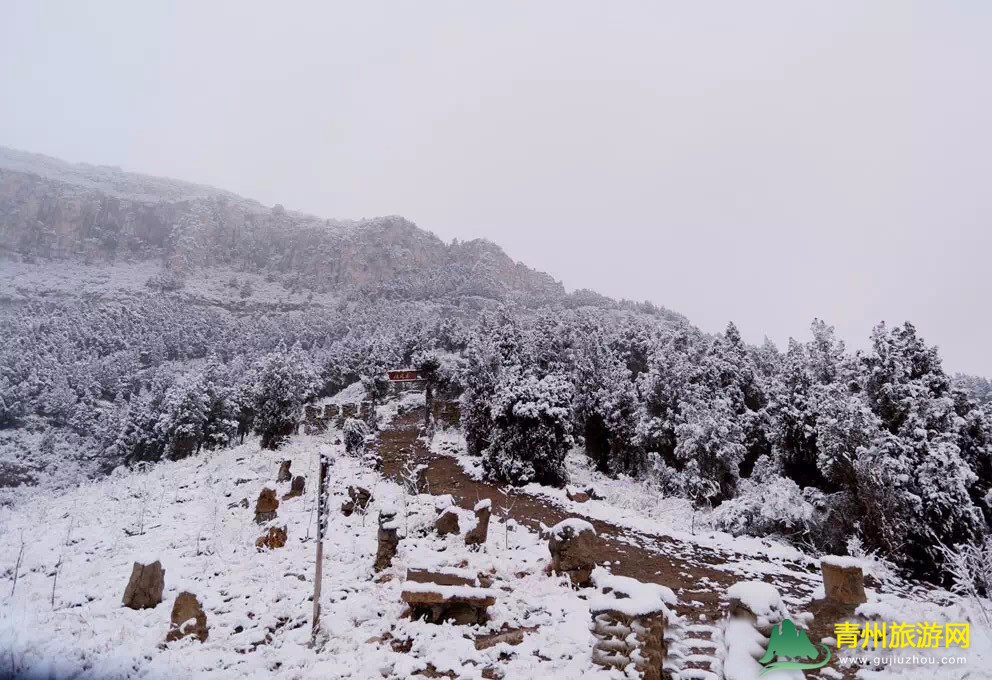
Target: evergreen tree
(283, 382)
(914, 483)
(221, 423)
(606, 406)
(429, 367)
(532, 431)
(182, 425)
(493, 349)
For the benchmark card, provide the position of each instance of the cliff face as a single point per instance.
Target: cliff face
(54, 210)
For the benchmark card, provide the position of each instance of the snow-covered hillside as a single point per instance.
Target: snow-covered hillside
(72, 554)
(65, 618)
(53, 210)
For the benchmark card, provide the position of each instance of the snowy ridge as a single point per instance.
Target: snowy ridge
(105, 179)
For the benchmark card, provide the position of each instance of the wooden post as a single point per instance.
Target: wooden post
(429, 402)
(321, 526)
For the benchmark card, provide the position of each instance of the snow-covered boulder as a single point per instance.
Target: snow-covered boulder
(297, 489)
(275, 537)
(576, 495)
(388, 538)
(759, 601)
(573, 550)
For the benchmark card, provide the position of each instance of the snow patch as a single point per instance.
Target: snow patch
(575, 524)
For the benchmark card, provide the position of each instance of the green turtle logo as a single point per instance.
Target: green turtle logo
(792, 643)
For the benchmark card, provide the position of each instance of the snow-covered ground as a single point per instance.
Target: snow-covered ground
(75, 549)
(65, 618)
(630, 503)
(638, 506)
(22, 281)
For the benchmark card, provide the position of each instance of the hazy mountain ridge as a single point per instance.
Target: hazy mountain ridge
(54, 210)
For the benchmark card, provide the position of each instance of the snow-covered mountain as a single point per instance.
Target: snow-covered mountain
(52, 210)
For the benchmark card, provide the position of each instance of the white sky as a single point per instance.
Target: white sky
(765, 162)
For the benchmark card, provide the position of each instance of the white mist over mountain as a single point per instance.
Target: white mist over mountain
(763, 164)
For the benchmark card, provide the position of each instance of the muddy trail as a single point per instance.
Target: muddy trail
(699, 575)
(681, 566)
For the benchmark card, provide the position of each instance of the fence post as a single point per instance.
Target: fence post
(321, 525)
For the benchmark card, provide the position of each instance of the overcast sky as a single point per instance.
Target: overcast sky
(762, 162)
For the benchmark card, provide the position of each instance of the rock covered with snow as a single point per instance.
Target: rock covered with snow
(478, 534)
(443, 502)
(445, 576)
(275, 537)
(297, 489)
(573, 550)
(572, 526)
(843, 579)
(360, 495)
(447, 522)
(388, 538)
(575, 495)
(459, 604)
(188, 619)
(628, 596)
(759, 601)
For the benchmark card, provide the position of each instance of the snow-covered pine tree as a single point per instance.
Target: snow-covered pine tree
(709, 436)
(143, 437)
(185, 414)
(975, 442)
(493, 348)
(283, 382)
(606, 405)
(913, 481)
(221, 424)
(428, 365)
(355, 433)
(532, 430)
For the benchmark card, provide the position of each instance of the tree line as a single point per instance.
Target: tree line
(814, 443)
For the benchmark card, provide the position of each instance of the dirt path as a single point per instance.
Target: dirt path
(698, 574)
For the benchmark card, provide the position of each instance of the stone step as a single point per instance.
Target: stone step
(699, 643)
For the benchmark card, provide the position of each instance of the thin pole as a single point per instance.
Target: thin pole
(318, 576)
